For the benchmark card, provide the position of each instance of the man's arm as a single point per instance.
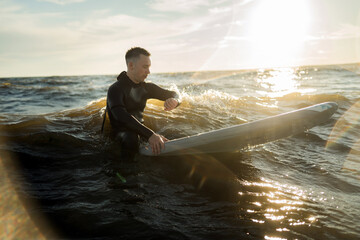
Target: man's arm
(130, 122)
(171, 98)
(156, 141)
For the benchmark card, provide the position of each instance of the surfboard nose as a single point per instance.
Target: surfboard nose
(331, 108)
(334, 106)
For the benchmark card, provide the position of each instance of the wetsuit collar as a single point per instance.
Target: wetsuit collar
(124, 76)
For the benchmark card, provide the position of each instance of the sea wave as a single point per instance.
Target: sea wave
(299, 187)
(199, 112)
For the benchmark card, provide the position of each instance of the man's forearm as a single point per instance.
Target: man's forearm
(131, 123)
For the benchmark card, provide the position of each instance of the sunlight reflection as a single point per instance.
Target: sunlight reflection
(279, 82)
(272, 210)
(278, 203)
(282, 230)
(274, 238)
(273, 217)
(257, 204)
(284, 201)
(287, 208)
(258, 221)
(297, 223)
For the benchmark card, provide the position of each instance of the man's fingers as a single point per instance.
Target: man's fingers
(154, 148)
(167, 105)
(170, 104)
(157, 144)
(160, 147)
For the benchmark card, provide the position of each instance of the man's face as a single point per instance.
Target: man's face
(141, 68)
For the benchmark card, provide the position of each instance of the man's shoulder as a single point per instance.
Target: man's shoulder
(119, 84)
(116, 89)
(114, 86)
(150, 85)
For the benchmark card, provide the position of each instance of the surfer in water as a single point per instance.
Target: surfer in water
(126, 101)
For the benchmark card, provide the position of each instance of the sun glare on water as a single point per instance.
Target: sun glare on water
(277, 31)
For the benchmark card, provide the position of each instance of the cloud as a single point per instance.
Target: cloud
(342, 32)
(245, 2)
(346, 31)
(185, 6)
(62, 2)
(56, 41)
(5, 7)
(37, 42)
(176, 5)
(216, 10)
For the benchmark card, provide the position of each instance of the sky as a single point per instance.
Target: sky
(85, 37)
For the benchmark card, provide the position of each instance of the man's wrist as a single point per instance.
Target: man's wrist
(178, 102)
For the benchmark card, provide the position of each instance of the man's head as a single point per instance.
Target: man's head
(138, 64)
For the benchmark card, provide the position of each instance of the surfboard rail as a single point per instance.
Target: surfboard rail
(240, 136)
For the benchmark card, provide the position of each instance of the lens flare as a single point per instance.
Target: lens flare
(15, 220)
(345, 131)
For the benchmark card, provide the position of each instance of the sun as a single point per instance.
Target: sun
(277, 32)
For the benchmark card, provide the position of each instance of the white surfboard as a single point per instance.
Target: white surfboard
(238, 137)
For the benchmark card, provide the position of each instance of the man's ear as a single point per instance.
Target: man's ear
(130, 65)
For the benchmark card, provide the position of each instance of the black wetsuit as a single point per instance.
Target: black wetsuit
(126, 102)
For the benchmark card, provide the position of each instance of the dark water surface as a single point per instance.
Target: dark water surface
(303, 187)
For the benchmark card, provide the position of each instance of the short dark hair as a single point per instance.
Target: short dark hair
(135, 52)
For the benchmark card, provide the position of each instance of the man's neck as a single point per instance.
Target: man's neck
(131, 77)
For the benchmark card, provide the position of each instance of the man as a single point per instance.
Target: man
(126, 101)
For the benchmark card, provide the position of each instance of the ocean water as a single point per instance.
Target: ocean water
(302, 187)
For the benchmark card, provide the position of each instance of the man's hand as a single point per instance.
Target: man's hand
(157, 143)
(170, 104)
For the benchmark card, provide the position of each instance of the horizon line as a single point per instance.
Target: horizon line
(193, 71)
